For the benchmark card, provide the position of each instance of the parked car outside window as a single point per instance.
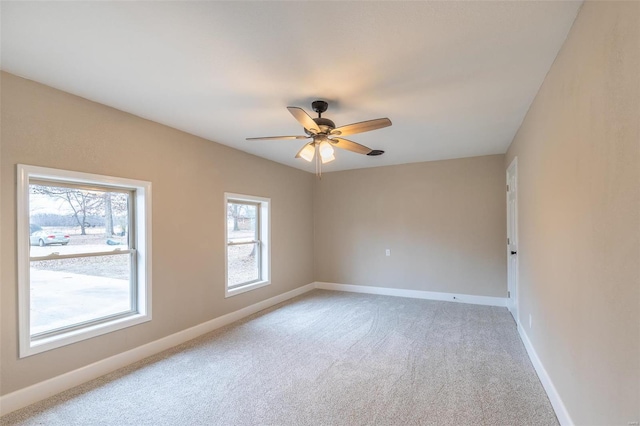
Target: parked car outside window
(40, 237)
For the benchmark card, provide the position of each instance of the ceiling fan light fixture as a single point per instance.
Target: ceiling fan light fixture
(329, 159)
(326, 150)
(307, 152)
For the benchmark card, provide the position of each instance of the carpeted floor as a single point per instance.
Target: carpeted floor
(325, 358)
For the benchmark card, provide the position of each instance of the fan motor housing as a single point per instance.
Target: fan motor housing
(325, 125)
(325, 122)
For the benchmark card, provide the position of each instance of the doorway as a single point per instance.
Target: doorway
(512, 239)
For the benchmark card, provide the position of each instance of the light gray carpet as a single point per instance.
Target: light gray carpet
(325, 358)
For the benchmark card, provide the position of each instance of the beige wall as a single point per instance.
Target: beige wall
(579, 180)
(45, 127)
(444, 222)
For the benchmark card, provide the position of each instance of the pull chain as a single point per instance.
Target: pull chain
(318, 162)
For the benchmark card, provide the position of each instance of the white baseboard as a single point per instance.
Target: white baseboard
(416, 294)
(552, 393)
(29, 395)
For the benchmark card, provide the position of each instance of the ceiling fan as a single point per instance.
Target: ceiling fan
(325, 135)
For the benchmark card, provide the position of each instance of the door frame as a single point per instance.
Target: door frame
(513, 295)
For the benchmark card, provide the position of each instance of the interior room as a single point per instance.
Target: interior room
(287, 213)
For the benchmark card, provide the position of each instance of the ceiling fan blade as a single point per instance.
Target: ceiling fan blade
(350, 145)
(363, 126)
(266, 138)
(304, 119)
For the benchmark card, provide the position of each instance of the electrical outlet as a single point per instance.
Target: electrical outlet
(387, 252)
(530, 320)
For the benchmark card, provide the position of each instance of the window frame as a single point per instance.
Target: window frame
(140, 247)
(263, 231)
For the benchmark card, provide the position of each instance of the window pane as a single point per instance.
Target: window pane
(66, 292)
(241, 222)
(70, 220)
(243, 264)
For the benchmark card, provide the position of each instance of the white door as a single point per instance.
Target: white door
(512, 238)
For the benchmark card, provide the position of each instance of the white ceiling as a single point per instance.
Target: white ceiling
(455, 78)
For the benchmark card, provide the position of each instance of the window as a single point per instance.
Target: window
(247, 243)
(84, 253)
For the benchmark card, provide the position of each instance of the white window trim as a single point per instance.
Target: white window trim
(265, 246)
(143, 249)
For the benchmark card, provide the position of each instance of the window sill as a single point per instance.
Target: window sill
(245, 288)
(63, 339)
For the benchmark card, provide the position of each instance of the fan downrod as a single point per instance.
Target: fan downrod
(319, 107)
